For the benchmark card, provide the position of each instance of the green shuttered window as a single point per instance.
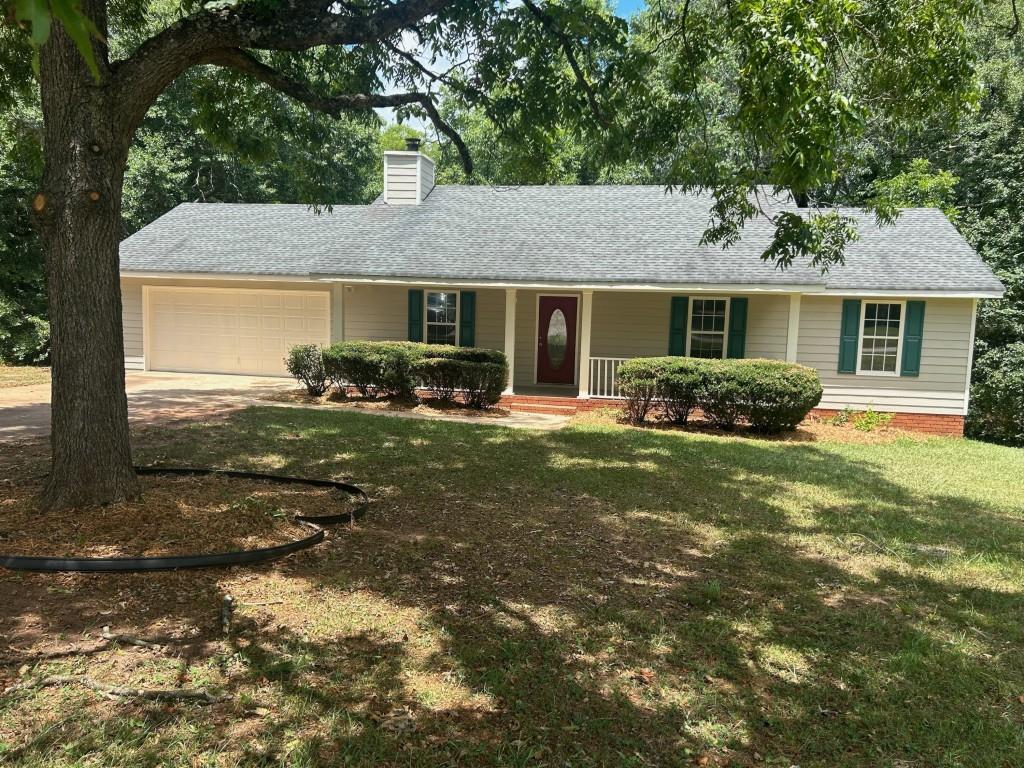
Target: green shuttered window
(467, 319)
(737, 328)
(849, 336)
(415, 314)
(677, 325)
(913, 336)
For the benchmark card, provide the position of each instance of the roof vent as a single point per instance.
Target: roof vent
(408, 175)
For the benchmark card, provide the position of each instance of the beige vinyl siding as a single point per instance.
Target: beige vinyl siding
(400, 181)
(376, 313)
(490, 318)
(636, 325)
(381, 313)
(767, 326)
(131, 322)
(940, 387)
(426, 176)
(629, 324)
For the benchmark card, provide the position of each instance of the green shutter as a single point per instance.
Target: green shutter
(467, 319)
(415, 314)
(913, 333)
(677, 325)
(849, 336)
(737, 328)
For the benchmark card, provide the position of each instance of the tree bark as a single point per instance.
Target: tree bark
(79, 212)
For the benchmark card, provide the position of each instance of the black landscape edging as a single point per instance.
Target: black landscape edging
(220, 559)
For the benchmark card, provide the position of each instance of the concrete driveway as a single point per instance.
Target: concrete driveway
(152, 397)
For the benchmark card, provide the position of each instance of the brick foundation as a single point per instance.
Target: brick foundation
(927, 423)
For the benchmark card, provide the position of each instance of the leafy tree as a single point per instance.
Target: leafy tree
(802, 81)
(24, 331)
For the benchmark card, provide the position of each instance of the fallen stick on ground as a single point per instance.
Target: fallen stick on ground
(114, 691)
(129, 640)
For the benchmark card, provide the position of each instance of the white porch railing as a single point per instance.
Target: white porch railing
(604, 380)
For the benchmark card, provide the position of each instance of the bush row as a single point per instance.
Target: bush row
(771, 395)
(396, 368)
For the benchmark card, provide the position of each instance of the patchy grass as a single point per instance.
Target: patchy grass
(23, 375)
(593, 596)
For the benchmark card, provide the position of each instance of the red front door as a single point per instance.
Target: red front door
(556, 340)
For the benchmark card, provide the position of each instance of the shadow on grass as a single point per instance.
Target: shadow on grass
(608, 597)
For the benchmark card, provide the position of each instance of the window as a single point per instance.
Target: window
(880, 337)
(707, 328)
(442, 320)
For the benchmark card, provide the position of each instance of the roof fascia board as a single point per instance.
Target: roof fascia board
(804, 288)
(869, 293)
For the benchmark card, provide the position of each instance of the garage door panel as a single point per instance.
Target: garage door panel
(233, 331)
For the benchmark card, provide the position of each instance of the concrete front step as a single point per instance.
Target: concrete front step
(561, 409)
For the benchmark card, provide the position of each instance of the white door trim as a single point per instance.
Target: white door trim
(536, 333)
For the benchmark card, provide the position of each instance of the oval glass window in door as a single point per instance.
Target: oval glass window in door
(558, 337)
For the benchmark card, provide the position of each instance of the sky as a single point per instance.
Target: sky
(626, 8)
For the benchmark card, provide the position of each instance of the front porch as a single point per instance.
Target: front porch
(565, 344)
(569, 345)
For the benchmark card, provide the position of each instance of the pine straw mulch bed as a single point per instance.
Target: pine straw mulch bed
(177, 515)
(809, 431)
(425, 405)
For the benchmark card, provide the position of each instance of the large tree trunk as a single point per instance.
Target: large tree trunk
(80, 223)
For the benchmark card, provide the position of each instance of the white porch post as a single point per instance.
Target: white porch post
(510, 337)
(794, 328)
(586, 312)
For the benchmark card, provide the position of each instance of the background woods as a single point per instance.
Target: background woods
(217, 134)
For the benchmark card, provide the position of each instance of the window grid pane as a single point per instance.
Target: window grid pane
(441, 317)
(880, 337)
(707, 328)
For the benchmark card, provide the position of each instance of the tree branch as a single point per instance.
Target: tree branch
(1015, 27)
(149, 694)
(246, 63)
(299, 25)
(566, 43)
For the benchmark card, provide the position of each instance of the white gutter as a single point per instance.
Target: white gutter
(768, 288)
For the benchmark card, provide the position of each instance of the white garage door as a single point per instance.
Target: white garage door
(215, 330)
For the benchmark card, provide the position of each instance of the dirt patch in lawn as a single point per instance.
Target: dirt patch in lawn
(426, 405)
(177, 515)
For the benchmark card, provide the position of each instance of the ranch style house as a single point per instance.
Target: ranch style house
(569, 281)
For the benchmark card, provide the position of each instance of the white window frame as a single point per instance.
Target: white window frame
(426, 312)
(899, 337)
(725, 331)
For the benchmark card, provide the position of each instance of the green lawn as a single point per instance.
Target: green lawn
(23, 375)
(588, 597)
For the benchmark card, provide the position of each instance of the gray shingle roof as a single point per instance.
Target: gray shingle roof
(560, 234)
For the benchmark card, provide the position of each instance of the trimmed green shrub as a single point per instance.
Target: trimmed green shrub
(721, 394)
(770, 394)
(775, 396)
(483, 383)
(441, 376)
(394, 368)
(354, 364)
(678, 386)
(305, 362)
(373, 367)
(639, 382)
(479, 373)
(997, 396)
